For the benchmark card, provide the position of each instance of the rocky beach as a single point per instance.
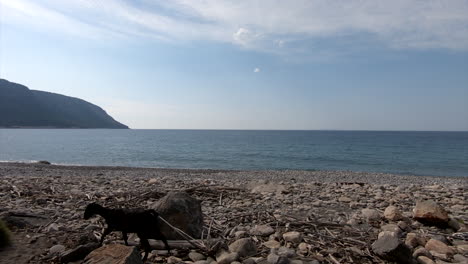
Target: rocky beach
(268, 217)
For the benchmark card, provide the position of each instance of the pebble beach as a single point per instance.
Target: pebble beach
(296, 217)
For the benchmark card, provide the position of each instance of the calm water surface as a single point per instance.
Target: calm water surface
(418, 153)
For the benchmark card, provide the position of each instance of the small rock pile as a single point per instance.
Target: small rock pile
(404, 240)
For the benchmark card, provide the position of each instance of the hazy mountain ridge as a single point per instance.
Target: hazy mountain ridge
(22, 107)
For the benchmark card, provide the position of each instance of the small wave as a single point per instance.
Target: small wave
(19, 161)
(37, 161)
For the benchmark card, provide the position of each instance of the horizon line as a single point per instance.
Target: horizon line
(238, 129)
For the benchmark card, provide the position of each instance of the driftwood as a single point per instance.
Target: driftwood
(176, 244)
(329, 241)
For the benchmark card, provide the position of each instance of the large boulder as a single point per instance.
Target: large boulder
(430, 213)
(114, 253)
(182, 211)
(390, 248)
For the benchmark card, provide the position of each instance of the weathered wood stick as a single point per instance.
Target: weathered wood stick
(175, 244)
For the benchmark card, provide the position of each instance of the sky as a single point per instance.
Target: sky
(222, 64)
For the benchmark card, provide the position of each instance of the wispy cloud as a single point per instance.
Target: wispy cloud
(256, 70)
(30, 14)
(265, 25)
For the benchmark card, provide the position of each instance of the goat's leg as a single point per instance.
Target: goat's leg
(125, 237)
(106, 232)
(160, 235)
(146, 245)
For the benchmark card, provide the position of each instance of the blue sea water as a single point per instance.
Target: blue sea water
(417, 153)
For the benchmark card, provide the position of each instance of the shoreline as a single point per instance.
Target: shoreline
(323, 176)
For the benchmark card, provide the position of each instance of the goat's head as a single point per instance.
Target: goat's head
(92, 209)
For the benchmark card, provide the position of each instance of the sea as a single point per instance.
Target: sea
(414, 153)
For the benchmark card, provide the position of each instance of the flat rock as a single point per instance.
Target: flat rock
(262, 230)
(195, 256)
(20, 220)
(437, 246)
(201, 262)
(78, 253)
(430, 213)
(173, 260)
(463, 249)
(272, 244)
(460, 258)
(344, 199)
(114, 253)
(269, 188)
(57, 249)
(422, 252)
(425, 260)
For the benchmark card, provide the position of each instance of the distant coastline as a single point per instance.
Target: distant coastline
(21, 107)
(52, 127)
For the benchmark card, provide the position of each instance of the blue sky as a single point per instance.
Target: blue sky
(318, 64)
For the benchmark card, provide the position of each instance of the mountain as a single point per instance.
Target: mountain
(22, 107)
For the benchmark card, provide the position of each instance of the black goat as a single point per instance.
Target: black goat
(142, 222)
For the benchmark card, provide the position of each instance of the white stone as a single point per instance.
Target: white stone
(293, 236)
(262, 230)
(272, 244)
(392, 213)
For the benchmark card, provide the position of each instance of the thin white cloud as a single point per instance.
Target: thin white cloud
(256, 70)
(266, 25)
(242, 36)
(34, 15)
